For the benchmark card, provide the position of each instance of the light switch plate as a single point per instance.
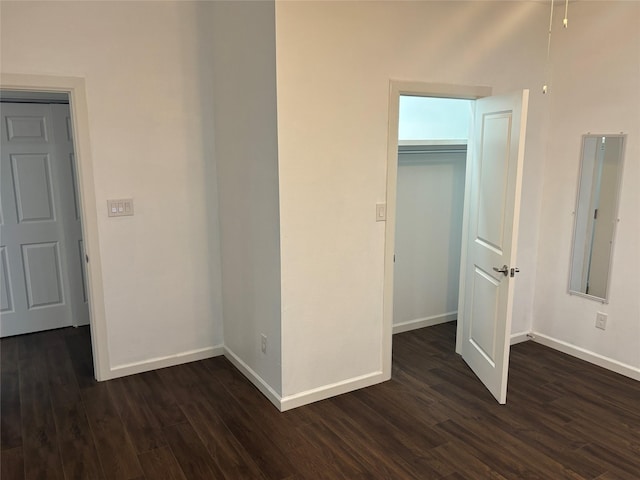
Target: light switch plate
(381, 212)
(120, 208)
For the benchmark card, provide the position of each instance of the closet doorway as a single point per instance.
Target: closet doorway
(491, 209)
(432, 150)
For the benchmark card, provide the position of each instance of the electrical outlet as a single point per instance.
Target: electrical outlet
(601, 320)
(263, 343)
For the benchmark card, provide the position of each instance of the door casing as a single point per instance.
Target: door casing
(75, 88)
(397, 88)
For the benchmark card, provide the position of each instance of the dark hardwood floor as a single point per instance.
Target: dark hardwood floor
(204, 420)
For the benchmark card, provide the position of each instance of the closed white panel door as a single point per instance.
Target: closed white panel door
(63, 133)
(36, 201)
(496, 173)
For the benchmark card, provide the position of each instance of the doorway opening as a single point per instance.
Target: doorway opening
(45, 282)
(42, 247)
(416, 90)
(72, 89)
(432, 151)
(492, 191)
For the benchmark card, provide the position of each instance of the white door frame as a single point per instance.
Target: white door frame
(75, 88)
(422, 89)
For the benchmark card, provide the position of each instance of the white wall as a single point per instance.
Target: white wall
(422, 118)
(429, 208)
(243, 52)
(150, 91)
(334, 63)
(149, 98)
(596, 75)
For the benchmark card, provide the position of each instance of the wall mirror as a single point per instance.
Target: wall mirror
(596, 215)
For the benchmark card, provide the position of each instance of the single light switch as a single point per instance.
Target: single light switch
(381, 212)
(120, 208)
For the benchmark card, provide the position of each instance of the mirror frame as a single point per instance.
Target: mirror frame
(623, 136)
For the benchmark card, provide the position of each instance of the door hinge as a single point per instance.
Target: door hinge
(86, 257)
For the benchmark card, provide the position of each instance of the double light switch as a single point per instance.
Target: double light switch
(120, 208)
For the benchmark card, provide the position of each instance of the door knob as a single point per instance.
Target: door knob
(504, 270)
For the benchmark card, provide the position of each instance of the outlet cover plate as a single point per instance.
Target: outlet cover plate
(122, 207)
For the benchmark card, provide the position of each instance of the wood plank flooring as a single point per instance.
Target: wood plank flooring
(565, 419)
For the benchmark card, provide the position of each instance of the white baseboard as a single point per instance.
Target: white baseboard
(254, 378)
(588, 356)
(303, 398)
(314, 395)
(163, 362)
(520, 337)
(424, 322)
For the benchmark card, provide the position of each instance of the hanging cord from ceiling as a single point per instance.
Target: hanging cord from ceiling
(565, 24)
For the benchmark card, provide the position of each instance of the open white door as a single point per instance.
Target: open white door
(493, 215)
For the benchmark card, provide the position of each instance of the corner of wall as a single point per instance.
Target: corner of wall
(588, 356)
(267, 390)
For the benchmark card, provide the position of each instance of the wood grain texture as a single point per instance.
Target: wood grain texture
(565, 419)
(141, 424)
(12, 463)
(63, 386)
(222, 446)
(39, 434)
(10, 420)
(77, 448)
(10, 415)
(192, 455)
(159, 399)
(161, 463)
(117, 455)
